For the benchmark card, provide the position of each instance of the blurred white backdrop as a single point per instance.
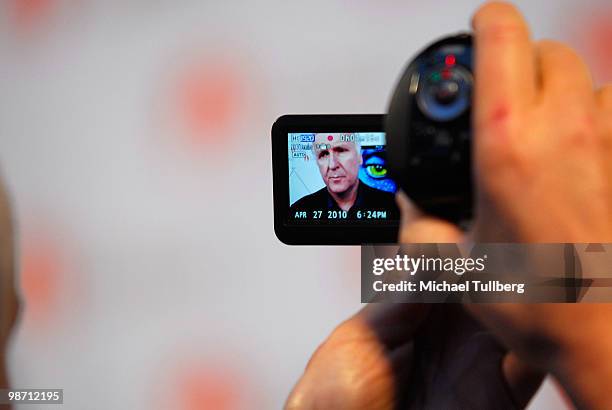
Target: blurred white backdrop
(134, 137)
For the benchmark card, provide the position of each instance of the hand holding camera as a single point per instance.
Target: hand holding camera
(542, 155)
(542, 141)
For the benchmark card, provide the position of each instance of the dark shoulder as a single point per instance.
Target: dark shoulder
(377, 193)
(315, 200)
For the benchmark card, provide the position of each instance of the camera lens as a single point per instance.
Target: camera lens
(444, 93)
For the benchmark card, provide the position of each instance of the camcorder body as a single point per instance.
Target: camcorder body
(335, 176)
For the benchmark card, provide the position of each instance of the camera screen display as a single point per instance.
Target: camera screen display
(339, 177)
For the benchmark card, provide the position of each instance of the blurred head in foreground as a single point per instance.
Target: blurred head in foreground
(8, 299)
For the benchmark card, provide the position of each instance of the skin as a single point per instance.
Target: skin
(8, 298)
(339, 163)
(543, 158)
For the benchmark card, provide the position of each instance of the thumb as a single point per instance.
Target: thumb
(416, 227)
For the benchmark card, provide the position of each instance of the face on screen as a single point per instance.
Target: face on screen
(339, 162)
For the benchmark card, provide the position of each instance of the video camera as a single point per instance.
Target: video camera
(335, 176)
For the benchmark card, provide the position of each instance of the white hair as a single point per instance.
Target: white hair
(355, 141)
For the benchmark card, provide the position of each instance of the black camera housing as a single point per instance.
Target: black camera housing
(428, 129)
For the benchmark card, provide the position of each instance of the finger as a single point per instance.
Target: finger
(348, 370)
(523, 380)
(357, 366)
(604, 100)
(505, 80)
(416, 227)
(393, 323)
(564, 75)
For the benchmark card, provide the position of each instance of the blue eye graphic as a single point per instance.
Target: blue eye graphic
(375, 167)
(374, 172)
